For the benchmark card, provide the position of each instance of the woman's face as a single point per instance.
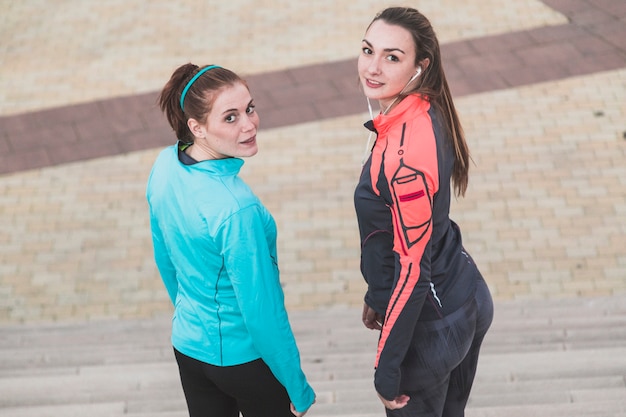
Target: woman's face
(231, 126)
(387, 61)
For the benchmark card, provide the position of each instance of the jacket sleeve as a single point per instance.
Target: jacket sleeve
(412, 181)
(249, 253)
(163, 261)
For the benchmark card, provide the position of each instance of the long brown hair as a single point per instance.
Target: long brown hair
(199, 98)
(433, 84)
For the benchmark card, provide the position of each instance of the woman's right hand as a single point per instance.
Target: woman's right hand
(371, 319)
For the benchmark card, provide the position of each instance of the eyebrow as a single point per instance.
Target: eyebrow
(231, 110)
(386, 49)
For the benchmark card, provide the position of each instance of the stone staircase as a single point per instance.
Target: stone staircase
(554, 358)
(541, 358)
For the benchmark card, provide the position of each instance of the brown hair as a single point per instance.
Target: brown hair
(433, 84)
(199, 98)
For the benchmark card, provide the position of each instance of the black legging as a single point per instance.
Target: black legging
(439, 368)
(224, 391)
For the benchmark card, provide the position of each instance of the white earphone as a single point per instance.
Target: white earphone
(417, 73)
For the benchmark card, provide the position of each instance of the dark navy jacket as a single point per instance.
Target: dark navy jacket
(412, 256)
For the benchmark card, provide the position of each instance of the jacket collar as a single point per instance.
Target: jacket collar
(413, 104)
(223, 167)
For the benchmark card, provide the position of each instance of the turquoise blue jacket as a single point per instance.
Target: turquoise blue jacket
(215, 248)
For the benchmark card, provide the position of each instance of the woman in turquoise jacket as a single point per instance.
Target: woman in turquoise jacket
(215, 248)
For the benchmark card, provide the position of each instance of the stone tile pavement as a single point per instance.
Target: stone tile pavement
(129, 47)
(315, 91)
(545, 212)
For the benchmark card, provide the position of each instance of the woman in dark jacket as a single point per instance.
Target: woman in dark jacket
(425, 294)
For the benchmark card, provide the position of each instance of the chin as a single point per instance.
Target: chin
(250, 152)
(373, 94)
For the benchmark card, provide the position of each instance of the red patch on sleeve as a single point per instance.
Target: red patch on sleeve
(412, 196)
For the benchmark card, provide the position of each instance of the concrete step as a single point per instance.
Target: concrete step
(614, 408)
(565, 357)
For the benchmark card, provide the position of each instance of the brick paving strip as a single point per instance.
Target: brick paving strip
(594, 40)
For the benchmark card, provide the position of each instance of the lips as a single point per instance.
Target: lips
(249, 141)
(372, 83)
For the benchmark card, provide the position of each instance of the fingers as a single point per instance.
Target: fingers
(371, 319)
(295, 412)
(402, 400)
(365, 309)
(398, 402)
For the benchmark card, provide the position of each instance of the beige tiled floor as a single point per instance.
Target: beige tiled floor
(545, 214)
(72, 51)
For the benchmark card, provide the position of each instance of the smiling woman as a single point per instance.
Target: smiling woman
(425, 294)
(215, 248)
(386, 63)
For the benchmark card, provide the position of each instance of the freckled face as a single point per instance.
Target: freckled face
(387, 61)
(232, 125)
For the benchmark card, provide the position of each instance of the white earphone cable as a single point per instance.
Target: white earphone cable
(368, 149)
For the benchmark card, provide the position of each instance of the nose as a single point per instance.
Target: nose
(373, 66)
(251, 122)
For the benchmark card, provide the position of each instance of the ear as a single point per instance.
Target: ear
(196, 128)
(424, 63)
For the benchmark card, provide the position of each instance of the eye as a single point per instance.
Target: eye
(250, 109)
(367, 51)
(230, 118)
(393, 58)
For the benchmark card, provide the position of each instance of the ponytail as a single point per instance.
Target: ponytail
(460, 171)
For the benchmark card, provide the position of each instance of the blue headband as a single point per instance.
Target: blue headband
(193, 80)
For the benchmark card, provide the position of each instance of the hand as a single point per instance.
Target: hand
(297, 413)
(371, 319)
(398, 402)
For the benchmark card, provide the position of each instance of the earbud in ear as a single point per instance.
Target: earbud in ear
(417, 73)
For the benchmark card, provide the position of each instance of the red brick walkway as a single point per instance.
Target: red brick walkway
(593, 41)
